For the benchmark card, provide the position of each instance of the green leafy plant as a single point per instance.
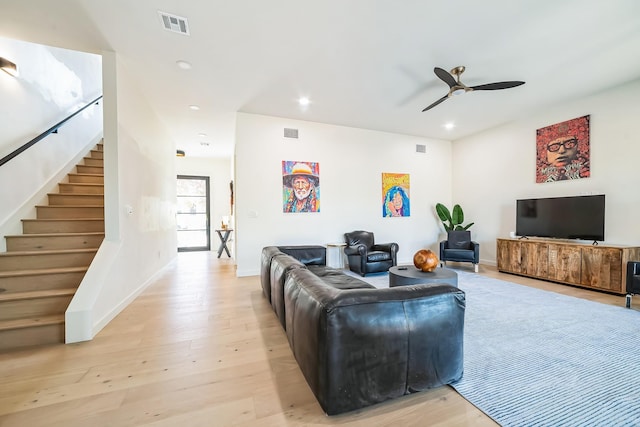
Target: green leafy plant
(452, 220)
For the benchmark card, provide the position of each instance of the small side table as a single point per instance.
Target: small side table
(335, 255)
(224, 238)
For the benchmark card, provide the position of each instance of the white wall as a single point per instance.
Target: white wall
(493, 169)
(351, 164)
(52, 84)
(219, 173)
(140, 198)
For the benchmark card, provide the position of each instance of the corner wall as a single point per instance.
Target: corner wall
(351, 164)
(140, 193)
(493, 169)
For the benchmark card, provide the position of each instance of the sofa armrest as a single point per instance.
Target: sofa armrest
(386, 247)
(356, 250)
(476, 251)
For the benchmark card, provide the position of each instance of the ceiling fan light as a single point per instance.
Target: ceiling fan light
(458, 91)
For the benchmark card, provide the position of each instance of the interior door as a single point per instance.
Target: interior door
(193, 213)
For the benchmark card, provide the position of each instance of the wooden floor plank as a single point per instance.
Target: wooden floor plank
(201, 347)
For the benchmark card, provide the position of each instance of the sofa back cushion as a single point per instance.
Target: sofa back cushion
(459, 240)
(280, 267)
(359, 237)
(307, 254)
(268, 253)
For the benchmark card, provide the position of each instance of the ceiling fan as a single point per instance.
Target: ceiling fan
(456, 87)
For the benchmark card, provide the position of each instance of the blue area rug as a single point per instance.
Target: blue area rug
(537, 358)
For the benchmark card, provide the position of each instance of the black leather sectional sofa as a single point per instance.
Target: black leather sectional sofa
(357, 345)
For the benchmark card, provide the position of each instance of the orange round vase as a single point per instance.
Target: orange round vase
(425, 260)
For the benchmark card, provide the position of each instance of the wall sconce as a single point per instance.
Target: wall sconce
(179, 153)
(8, 67)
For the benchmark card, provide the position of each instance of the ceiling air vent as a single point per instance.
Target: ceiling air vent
(174, 23)
(421, 148)
(290, 133)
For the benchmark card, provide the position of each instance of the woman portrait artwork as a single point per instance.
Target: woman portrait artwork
(395, 195)
(563, 151)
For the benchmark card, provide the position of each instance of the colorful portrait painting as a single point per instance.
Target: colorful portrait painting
(563, 151)
(300, 186)
(395, 195)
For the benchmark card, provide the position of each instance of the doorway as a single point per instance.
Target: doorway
(192, 215)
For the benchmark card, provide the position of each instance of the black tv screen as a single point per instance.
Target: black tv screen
(579, 217)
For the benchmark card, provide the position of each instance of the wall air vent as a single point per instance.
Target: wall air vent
(421, 148)
(174, 23)
(290, 133)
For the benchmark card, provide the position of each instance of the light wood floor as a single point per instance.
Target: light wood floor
(201, 347)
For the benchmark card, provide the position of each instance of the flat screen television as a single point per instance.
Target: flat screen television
(579, 217)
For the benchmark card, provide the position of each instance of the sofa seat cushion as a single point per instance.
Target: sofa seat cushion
(377, 256)
(459, 255)
(337, 279)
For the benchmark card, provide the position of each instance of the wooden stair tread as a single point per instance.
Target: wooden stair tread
(87, 233)
(82, 184)
(55, 319)
(62, 219)
(49, 293)
(70, 206)
(35, 272)
(83, 174)
(76, 194)
(48, 252)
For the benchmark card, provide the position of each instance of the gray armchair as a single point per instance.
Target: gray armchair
(365, 256)
(460, 248)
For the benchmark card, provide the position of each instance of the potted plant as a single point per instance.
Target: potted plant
(458, 246)
(452, 221)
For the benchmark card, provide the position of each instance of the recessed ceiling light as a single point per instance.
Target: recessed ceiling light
(449, 126)
(202, 135)
(304, 101)
(183, 65)
(194, 107)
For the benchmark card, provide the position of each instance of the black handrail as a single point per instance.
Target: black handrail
(44, 134)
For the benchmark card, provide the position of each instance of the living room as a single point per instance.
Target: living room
(486, 173)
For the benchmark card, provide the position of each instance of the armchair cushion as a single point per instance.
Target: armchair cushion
(376, 256)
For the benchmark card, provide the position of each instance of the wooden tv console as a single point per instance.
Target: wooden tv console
(598, 267)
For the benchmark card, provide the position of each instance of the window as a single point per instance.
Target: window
(193, 213)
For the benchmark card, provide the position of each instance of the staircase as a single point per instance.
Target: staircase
(43, 267)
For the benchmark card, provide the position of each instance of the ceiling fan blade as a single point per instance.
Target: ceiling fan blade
(436, 103)
(496, 86)
(445, 76)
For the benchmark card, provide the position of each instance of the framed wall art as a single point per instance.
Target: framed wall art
(300, 186)
(395, 195)
(563, 151)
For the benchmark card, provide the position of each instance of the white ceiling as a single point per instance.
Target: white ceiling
(363, 63)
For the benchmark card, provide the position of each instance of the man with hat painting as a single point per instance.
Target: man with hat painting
(301, 188)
